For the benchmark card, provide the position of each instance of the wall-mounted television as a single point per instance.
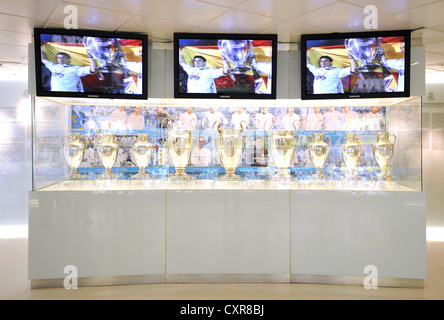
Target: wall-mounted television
(91, 64)
(230, 66)
(355, 65)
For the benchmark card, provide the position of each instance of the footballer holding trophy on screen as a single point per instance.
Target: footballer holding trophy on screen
(112, 69)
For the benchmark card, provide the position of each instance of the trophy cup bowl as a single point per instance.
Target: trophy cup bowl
(237, 53)
(142, 152)
(74, 147)
(363, 50)
(282, 150)
(230, 151)
(179, 149)
(319, 151)
(107, 149)
(383, 150)
(351, 150)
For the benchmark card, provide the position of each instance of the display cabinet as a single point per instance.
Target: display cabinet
(365, 145)
(170, 190)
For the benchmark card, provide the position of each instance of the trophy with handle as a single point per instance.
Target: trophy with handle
(383, 150)
(319, 151)
(142, 153)
(230, 142)
(74, 146)
(283, 145)
(107, 148)
(364, 51)
(179, 150)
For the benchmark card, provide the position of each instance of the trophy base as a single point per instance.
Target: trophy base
(283, 175)
(229, 177)
(180, 175)
(75, 176)
(107, 175)
(141, 176)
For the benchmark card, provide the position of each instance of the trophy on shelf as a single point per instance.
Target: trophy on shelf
(319, 151)
(142, 152)
(282, 150)
(237, 53)
(383, 149)
(107, 148)
(351, 150)
(364, 51)
(179, 149)
(230, 144)
(74, 145)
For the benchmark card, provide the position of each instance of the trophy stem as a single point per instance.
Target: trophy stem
(230, 175)
(180, 174)
(282, 174)
(108, 174)
(74, 173)
(319, 173)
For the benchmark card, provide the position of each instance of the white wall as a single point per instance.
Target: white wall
(15, 152)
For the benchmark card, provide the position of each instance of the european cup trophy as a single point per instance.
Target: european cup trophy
(74, 145)
(107, 148)
(237, 53)
(142, 153)
(230, 143)
(283, 145)
(179, 149)
(364, 51)
(383, 149)
(351, 150)
(319, 151)
(112, 69)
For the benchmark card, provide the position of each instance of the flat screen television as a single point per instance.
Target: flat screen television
(355, 65)
(225, 66)
(91, 64)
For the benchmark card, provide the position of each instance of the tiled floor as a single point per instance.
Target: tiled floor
(14, 285)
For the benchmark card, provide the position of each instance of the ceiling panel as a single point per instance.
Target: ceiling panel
(390, 7)
(40, 10)
(338, 17)
(427, 16)
(284, 9)
(91, 17)
(127, 6)
(241, 22)
(190, 12)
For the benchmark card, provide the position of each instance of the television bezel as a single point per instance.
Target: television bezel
(90, 33)
(345, 35)
(216, 36)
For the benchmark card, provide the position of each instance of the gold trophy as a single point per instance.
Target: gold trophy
(179, 149)
(319, 151)
(351, 150)
(107, 148)
(142, 152)
(383, 149)
(230, 143)
(74, 145)
(282, 150)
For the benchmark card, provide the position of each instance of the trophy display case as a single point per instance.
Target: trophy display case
(171, 191)
(359, 145)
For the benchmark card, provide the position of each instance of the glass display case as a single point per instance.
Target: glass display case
(285, 144)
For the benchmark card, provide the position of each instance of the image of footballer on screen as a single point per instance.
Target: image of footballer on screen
(224, 66)
(89, 64)
(355, 65)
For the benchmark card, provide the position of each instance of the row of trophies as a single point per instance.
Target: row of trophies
(230, 147)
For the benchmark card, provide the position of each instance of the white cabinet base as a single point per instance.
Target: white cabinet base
(176, 236)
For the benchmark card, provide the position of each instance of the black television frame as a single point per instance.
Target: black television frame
(91, 33)
(216, 36)
(342, 36)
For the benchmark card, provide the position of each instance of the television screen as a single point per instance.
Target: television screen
(355, 65)
(92, 64)
(232, 66)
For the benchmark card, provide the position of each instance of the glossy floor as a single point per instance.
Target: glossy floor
(15, 285)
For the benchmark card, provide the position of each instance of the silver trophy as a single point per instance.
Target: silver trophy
(237, 53)
(112, 68)
(364, 51)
